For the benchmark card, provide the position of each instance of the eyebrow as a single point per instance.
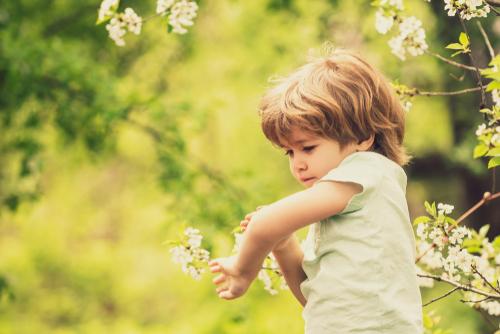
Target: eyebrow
(300, 142)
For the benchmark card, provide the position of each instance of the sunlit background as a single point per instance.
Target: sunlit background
(108, 151)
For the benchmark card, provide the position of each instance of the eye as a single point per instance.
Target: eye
(289, 152)
(309, 148)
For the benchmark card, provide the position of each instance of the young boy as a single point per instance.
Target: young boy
(342, 127)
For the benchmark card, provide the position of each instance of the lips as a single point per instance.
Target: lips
(306, 179)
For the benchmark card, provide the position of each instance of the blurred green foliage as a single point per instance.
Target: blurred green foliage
(105, 152)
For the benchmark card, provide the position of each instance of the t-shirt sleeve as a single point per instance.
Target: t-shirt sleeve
(363, 168)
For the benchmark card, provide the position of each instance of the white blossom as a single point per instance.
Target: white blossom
(467, 9)
(458, 233)
(483, 266)
(181, 255)
(116, 30)
(182, 15)
(495, 96)
(163, 5)
(397, 4)
(422, 231)
(482, 129)
(132, 20)
(194, 237)
(437, 236)
(411, 39)
(383, 23)
(119, 23)
(238, 238)
(492, 307)
(433, 259)
(445, 209)
(106, 9)
(189, 254)
(407, 105)
(266, 279)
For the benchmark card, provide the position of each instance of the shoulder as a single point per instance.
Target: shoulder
(374, 164)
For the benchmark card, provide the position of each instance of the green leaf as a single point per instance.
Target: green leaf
(421, 220)
(496, 243)
(455, 46)
(431, 209)
(493, 162)
(473, 249)
(471, 243)
(493, 85)
(494, 152)
(484, 230)
(428, 323)
(450, 221)
(480, 150)
(457, 53)
(495, 61)
(463, 39)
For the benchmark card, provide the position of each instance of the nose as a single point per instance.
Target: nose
(299, 164)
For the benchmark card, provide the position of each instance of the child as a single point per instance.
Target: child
(342, 128)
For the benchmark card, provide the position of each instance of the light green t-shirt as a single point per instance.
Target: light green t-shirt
(359, 263)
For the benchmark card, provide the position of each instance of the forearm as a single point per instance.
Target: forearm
(289, 259)
(253, 250)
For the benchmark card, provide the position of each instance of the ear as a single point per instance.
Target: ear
(366, 144)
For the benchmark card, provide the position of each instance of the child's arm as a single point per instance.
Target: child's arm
(289, 257)
(274, 223)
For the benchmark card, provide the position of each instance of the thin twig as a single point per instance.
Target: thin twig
(484, 279)
(492, 4)
(458, 92)
(451, 62)
(478, 74)
(474, 301)
(154, 15)
(486, 198)
(441, 297)
(460, 286)
(486, 39)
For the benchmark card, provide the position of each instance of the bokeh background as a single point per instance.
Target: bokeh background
(106, 152)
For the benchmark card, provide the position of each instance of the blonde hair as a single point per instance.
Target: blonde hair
(339, 96)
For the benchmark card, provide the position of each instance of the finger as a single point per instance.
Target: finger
(220, 289)
(216, 269)
(226, 294)
(244, 223)
(219, 279)
(213, 262)
(249, 215)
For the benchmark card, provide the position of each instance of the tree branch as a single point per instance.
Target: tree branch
(484, 279)
(460, 286)
(486, 39)
(458, 92)
(478, 74)
(443, 296)
(451, 62)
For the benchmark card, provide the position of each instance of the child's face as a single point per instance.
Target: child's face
(311, 156)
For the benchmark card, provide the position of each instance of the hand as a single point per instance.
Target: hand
(235, 283)
(244, 224)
